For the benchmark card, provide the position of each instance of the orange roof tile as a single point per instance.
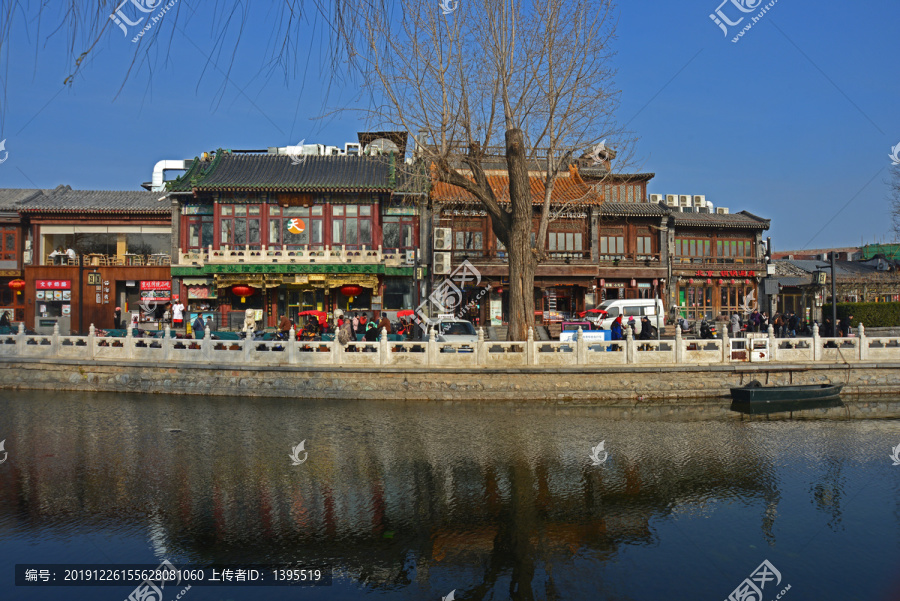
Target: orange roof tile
(567, 189)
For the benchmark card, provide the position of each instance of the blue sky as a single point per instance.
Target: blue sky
(794, 122)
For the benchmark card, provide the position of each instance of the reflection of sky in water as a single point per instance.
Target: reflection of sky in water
(412, 500)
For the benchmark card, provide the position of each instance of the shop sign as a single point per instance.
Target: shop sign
(52, 284)
(642, 285)
(400, 211)
(726, 274)
(197, 210)
(94, 279)
(614, 285)
(156, 285)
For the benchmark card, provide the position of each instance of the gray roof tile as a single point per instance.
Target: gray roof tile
(66, 200)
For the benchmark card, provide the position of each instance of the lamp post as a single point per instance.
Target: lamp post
(833, 291)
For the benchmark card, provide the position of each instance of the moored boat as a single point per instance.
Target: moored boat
(754, 392)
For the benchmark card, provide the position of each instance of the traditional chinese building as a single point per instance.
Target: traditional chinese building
(12, 247)
(93, 251)
(284, 234)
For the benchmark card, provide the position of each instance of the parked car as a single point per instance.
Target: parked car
(451, 329)
(627, 308)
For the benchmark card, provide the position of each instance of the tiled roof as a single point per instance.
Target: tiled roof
(788, 269)
(731, 220)
(279, 173)
(848, 270)
(598, 173)
(10, 197)
(633, 209)
(66, 200)
(567, 190)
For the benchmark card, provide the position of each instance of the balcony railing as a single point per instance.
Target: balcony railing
(631, 260)
(230, 256)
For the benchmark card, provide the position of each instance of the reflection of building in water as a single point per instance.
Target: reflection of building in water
(466, 485)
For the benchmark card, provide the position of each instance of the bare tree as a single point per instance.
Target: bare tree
(895, 200)
(530, 82)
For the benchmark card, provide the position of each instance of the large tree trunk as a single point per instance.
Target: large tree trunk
(521, 257)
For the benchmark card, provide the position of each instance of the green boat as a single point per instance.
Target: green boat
(756, 398)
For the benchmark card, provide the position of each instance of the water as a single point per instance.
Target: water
(409, 501)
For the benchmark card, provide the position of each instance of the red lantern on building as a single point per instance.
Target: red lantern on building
(691, 281)
(732, 281)
(721, 282)
(709, 281)
(748, 282)
(602, 283)
(351, 290)
(17, 286)
(242, 291)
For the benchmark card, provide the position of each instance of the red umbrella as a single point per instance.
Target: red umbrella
(596, 311)
(320, 315)
(405, 313)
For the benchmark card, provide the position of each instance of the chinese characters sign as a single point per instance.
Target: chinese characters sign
(52, 284)
(726, 274)
(156, 285)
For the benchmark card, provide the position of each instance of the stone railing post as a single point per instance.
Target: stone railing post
(629, 345)
(383, 349)
(20, 339)
(679, 346)
(129, 342)
(726, 346)
(530, 355)
(54, 341)
(292, 346)
(580, 348)
(480, 347)
(337, 351)
(431, 348)
(90, 341)
(247, 346)
(773, 346)
(863, 343)
(817, 344)
(206, 346)
(167, 343)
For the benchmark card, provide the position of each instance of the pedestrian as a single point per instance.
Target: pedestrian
(354, 324)
(363, 319)
(793, 324)
(827, 329)
(344, 333)
(616, 329)
(177, 314)
(755, 320)
(764, 323)
(4, 320)
(284, 326)
(209, 323)
(198, 326)
(646, 329)
(117, 318)
(385, 324)
(735, 325)
(371, 333)
(845, 325)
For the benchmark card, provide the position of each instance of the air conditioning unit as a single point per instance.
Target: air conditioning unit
(410, 257)
(685, 200)
(703, 209)
(352, 149)
(672, 200)
(442, 238)
(699, 200)
(332, 151)
(824, 257)
(657, 198)
(441, 263)
(722, 211)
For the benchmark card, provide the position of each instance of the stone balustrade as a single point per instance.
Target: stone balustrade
(482, 353)
(229, 256)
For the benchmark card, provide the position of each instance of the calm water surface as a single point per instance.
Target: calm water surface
(410, 501)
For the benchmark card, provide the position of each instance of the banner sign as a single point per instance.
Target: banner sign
(52, 284)
(156, 285)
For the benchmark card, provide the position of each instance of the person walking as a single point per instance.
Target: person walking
(755, 320)
(198, 327)
(354, 324)
(177, 314)
(793, 324)
(616, 329)
(284, 326)
(844, 325)
(385, 324)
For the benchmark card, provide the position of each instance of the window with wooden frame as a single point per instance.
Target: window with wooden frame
(566, 239)
(692, 250)
(740, 250)
(294, 228)
(351, 225)
(468, 237)
(398, 232)
(239, 225)
(612, 243)
(9, 238)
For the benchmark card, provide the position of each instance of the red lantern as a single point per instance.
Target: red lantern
(633, 283)
(691, 281)
(17, 285)
(499, 290)
(709, 281)
(747, 282)
(732, 281)
(242, 291)
(602, 283)
(351, 290)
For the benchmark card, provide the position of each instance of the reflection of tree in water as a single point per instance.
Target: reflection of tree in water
(387, 495)
(827, 492)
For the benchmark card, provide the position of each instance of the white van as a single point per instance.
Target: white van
(634, 307)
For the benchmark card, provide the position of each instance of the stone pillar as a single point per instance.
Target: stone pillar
(817, 344)
(580, 348)
(383, 349)
(90, 341)
(530, 355)
(167, 343)
(679, 346)
(480, 349)
(54, 341)
(863, 342)
(773, 346)
(292, 346)
(206, 346)
(129, 342)
(726, 346)
(247, 344)
(20, 340)
(337, 351)
(629, 345)
(431, 348)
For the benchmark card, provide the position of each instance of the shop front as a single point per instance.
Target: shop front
(716, 294)
(12, 297)
(53, 306)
